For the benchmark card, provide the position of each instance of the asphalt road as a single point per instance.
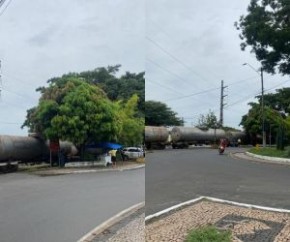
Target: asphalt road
(175, 176)
(64, 208)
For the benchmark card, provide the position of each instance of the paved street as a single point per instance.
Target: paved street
(64, 208)
(174, 176)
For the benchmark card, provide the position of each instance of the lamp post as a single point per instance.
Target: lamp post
(262, 102)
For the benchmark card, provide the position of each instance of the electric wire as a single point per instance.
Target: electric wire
(168, 71)
(175, 58)
(9, 1)
(163, 86)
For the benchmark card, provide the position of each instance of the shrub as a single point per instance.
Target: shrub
(208, 234)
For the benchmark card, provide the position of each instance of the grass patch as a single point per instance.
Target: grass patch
(272, 152)
(208, 234)
(140, 160)
(33, 168)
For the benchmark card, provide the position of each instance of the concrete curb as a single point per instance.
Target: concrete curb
(88, 171)
(108, 170)
(113, 220)
(213, 199)
(268, 158)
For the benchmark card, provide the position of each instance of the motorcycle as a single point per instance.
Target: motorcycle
(221, 149)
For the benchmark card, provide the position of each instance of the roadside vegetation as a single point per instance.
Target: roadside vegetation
(208, 234)
(91, 107)
(271, 151)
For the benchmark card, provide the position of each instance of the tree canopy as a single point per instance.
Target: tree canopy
(75, 109)
(159, 114)
(208, 121)
(266, 29)
(276, 111)
(116, 88)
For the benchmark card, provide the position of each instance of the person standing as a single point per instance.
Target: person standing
(113, 154)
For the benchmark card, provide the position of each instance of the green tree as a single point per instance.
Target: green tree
(159, 114)
(75, 111)
(266, 29)
(132, 126)
(116, 88)
(208, 121)
(275, 123)
(279, 101)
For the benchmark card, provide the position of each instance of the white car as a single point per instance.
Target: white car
(132, 152)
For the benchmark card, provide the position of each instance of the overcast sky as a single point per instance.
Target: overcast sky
(190, 47)
(44, 39)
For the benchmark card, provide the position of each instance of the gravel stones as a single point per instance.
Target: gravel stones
(246, 224)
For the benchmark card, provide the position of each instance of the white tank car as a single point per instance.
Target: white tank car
(182, 137)
(156, 137)
(21, 148)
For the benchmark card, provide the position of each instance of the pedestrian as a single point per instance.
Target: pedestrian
(113, 154)
(122, 154)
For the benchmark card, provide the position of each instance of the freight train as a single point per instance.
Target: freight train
(182, 137)
(14, 149)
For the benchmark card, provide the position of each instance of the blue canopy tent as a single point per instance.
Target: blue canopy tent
(105, 145)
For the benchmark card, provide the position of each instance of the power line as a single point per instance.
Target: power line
(10, 123)
(17, 94)
(164, 86)
(2, 2)
(254, 95)
(175, 58)
(193, 94)
(5, 6)
(168, 71)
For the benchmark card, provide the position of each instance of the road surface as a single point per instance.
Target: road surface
(64, 208)
(175, 176)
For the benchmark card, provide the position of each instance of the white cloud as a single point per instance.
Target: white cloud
(44, 39)
(197, 42)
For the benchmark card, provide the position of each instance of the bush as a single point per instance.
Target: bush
(208, 234)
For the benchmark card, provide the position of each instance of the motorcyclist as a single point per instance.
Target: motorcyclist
(222, 145)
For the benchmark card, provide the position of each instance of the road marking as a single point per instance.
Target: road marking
(213, 199)
(173, 208)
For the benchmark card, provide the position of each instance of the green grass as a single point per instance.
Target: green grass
(273, 152)
(33, 168)
(208, 234)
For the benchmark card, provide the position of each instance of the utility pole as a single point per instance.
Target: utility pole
(0, 81)
(262, 102)
(263, 112)
(222, 104)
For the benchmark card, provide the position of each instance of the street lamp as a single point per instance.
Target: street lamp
(263, 115)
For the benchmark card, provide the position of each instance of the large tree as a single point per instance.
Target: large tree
(266, 28)
(279, 101)
(276, 124)
(121, 87)
(159, 114)
(73, 110)
(132, 126)
(208, 121)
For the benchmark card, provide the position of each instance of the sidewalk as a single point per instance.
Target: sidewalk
(121, 166)
(246, 224)
(131, 229)
(127, 226)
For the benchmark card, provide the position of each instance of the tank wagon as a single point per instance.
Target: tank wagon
(182, 137)
(30, 148)
(156, 137)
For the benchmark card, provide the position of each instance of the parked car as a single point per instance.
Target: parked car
(132, 152)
